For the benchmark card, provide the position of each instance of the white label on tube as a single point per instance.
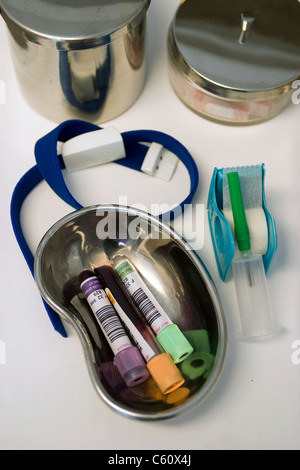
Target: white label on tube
(141, 343)
(141, 295)
(106, 315)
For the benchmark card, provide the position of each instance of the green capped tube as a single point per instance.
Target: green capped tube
(169, 336)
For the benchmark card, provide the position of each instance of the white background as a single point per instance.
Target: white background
(47, 400)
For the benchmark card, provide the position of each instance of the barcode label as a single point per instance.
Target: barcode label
(143, 297)
(146, 306)
(111, 324)
(139, 340)
(106, 315)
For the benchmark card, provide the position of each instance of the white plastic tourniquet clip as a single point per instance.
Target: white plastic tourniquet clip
(159, 162)
(92, 148)
(106, 145)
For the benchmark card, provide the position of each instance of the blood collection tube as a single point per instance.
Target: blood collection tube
(159, 363)
(74, 296)
(169, 336)
(127, 357)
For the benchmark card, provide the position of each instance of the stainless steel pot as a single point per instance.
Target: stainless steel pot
(235, 61)
(174, 274)
(78, 59)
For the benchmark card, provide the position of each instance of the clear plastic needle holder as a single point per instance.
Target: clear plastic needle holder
(256, 318)
(233, 248)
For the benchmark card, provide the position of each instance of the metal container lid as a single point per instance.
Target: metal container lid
(72, 20)
(237, 49)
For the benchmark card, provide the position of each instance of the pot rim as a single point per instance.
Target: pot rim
(16, 28)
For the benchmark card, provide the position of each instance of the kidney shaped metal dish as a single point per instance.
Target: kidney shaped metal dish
(174, 274)
(78, 59)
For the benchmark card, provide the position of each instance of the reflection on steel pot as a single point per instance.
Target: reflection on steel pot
(78, 59)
